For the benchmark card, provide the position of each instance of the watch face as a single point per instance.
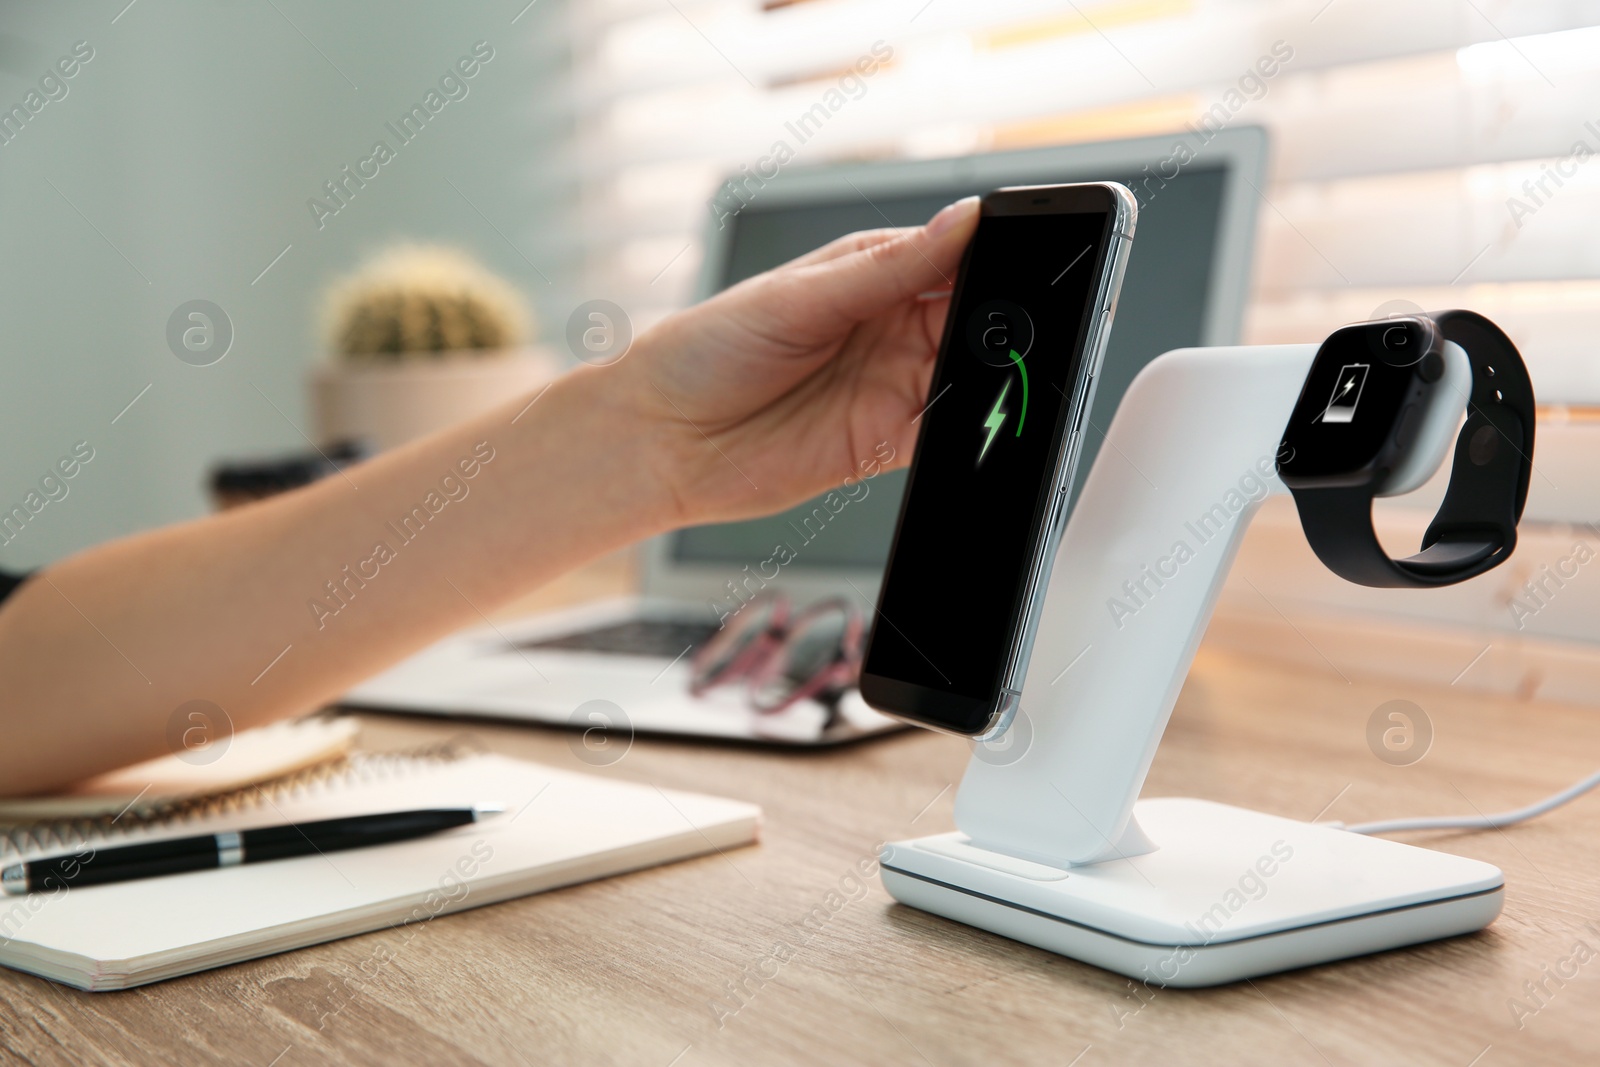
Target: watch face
(1360, 383)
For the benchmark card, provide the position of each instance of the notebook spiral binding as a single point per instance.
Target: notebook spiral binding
(359, 768)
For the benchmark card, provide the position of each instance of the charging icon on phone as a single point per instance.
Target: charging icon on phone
(998, 414)
(995, 420)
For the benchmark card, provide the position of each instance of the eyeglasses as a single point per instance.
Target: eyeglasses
(784, 656)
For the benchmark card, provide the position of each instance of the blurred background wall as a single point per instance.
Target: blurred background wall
(178, 166)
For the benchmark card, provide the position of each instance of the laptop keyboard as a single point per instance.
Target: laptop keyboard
(666, 638)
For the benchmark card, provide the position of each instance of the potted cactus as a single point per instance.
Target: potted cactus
(419, 337)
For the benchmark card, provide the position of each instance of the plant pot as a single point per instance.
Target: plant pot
(389, 404)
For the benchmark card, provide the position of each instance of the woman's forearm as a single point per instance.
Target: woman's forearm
(327, 584)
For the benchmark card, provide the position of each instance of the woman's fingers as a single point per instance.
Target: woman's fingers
(850, 242)
(856, 285)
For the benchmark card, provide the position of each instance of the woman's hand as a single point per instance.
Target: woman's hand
(789, 382)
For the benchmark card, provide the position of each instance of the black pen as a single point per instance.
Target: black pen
(230, 848)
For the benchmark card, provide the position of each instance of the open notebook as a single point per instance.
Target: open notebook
(559, 828)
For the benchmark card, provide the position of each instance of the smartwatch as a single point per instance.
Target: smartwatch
(1375, 395)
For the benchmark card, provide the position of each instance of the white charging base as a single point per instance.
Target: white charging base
(1228, 894)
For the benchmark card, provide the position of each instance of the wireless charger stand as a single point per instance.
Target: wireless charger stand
(1052, 848)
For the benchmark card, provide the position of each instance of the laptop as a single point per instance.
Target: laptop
(623, 665)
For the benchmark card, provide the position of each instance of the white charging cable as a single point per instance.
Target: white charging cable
(1475, 822)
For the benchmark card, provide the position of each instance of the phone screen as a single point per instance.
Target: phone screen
(982, 483)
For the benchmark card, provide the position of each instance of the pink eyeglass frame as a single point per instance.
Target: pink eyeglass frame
(766, 655)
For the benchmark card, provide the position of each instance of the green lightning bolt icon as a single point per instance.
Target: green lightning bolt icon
(996, 419)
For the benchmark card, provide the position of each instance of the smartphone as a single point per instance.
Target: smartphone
(987, 494)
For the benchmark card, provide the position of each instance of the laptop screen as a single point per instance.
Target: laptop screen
(1162, 307)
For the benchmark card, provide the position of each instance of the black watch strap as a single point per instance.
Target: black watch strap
(1476, 527)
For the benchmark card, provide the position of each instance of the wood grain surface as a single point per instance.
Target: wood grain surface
(778, 953)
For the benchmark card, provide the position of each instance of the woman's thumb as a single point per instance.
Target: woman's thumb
(916, 260)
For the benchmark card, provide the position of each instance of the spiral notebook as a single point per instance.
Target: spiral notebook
(560, 828)
(246, 758)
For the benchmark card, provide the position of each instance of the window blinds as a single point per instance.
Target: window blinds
(1445, 152)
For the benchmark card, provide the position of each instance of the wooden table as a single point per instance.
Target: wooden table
(675, 966)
